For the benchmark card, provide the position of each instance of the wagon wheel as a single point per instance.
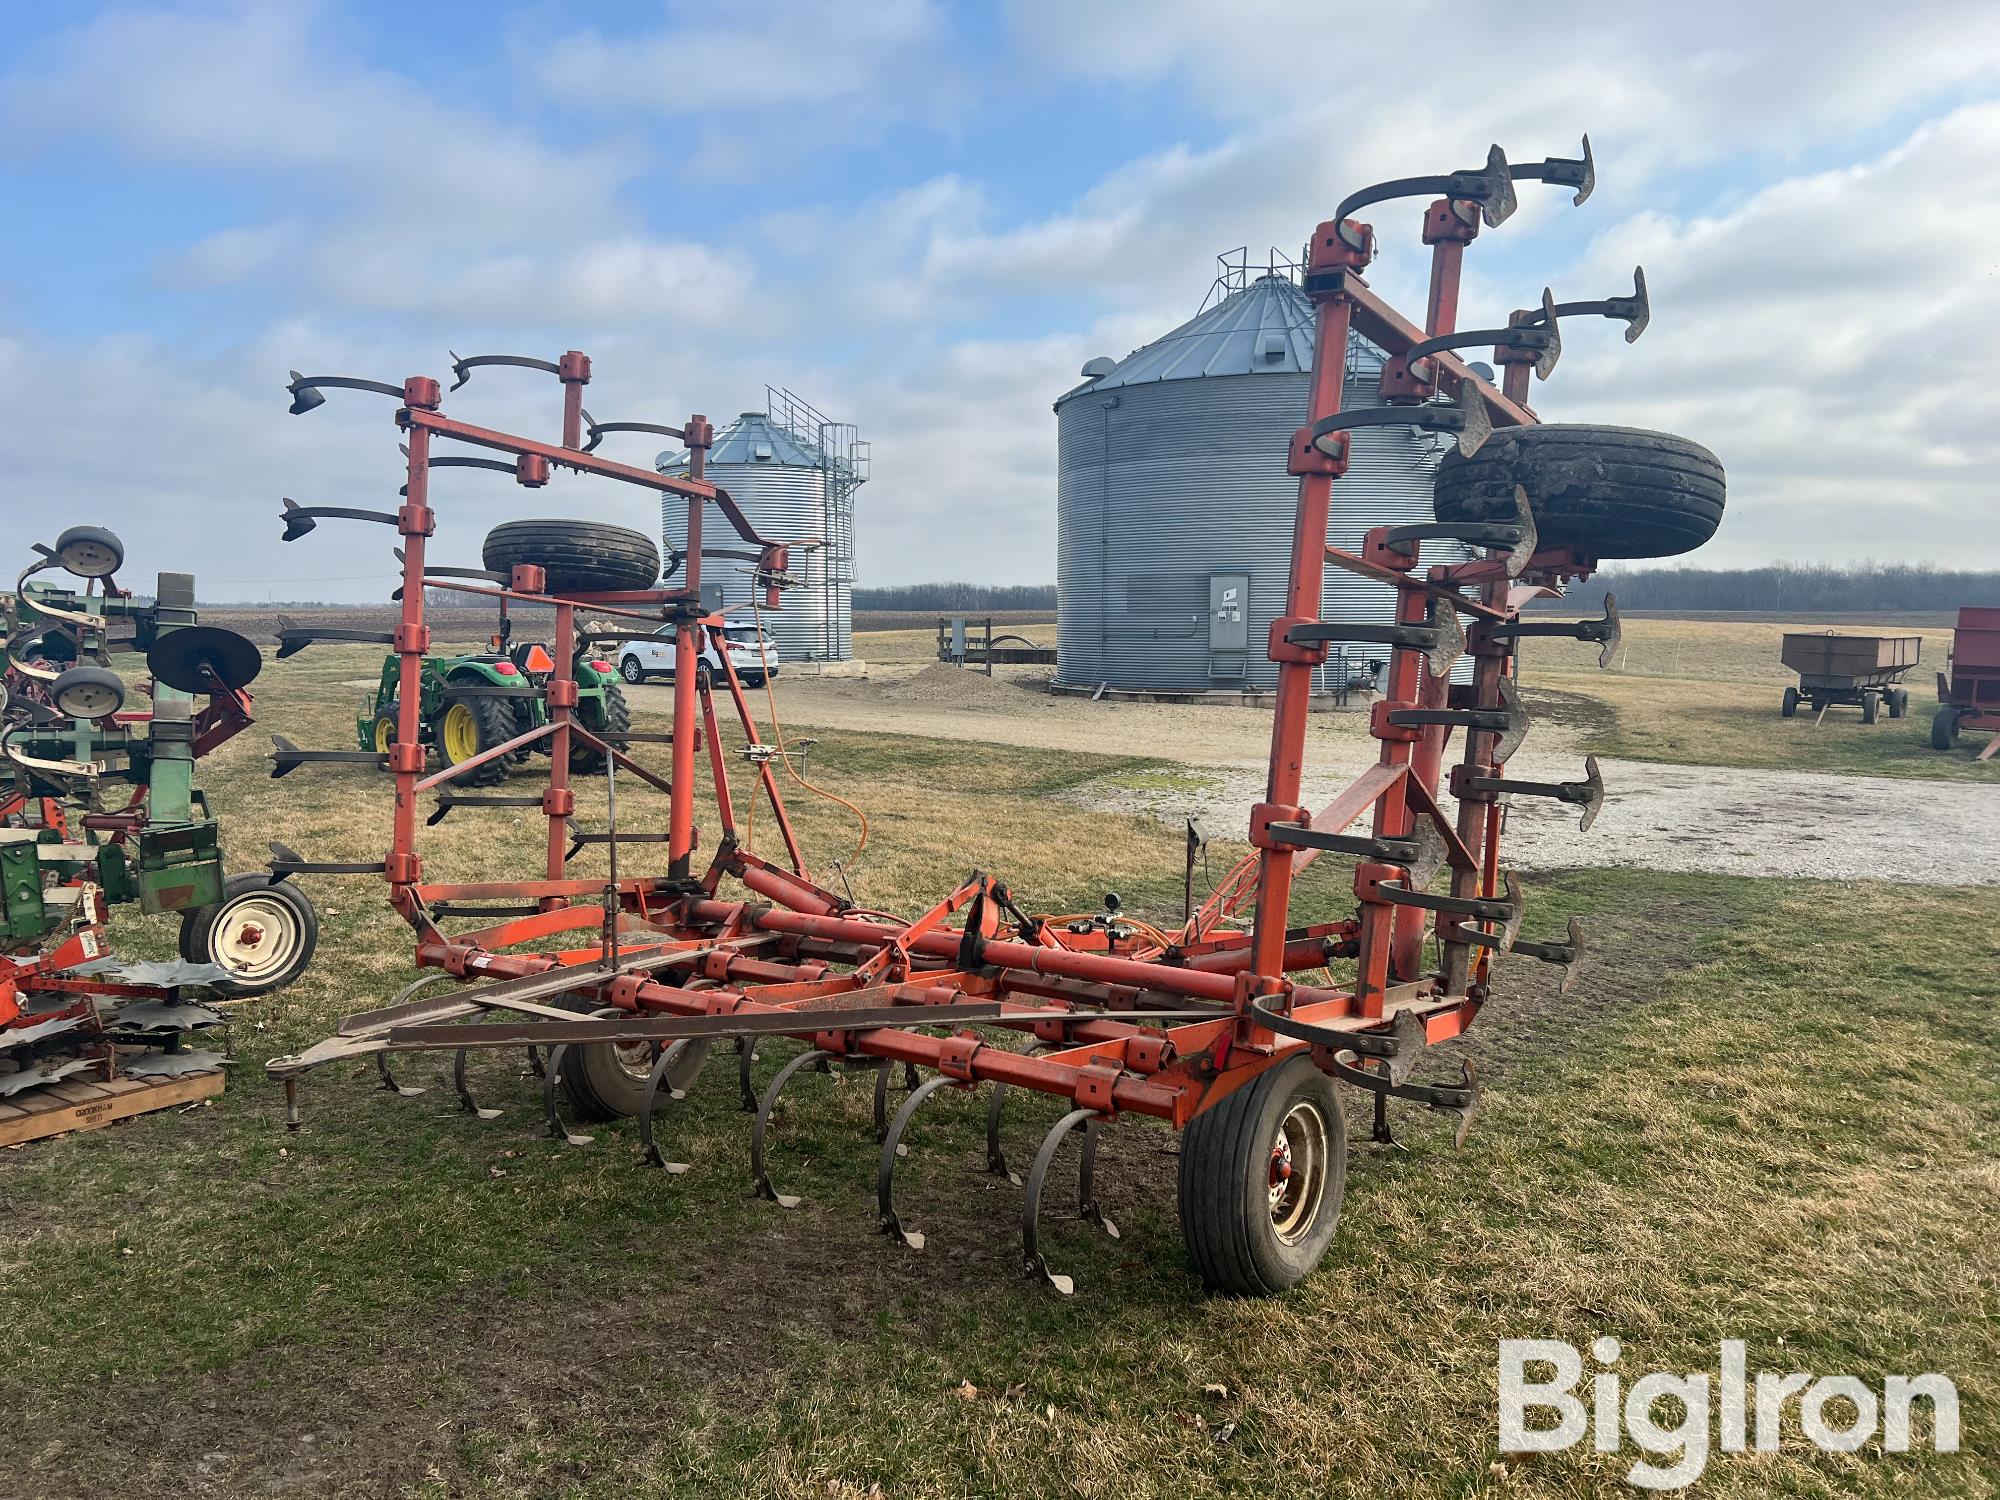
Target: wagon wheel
(1899, 702)
(1871, 705)
(1791, 708)
(1944, 728)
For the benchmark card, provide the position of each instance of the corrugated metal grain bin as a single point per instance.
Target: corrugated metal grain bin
(1175, 513)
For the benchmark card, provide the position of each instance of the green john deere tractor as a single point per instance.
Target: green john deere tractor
(473, 702)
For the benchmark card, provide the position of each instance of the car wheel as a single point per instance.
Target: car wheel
(631, 671)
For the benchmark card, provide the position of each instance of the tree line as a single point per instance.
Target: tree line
(1792, 588)
(958, 598)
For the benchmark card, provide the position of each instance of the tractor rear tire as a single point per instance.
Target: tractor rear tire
(1944, 728)
(607, 1080)
(1791, 706)
(1605, 491)
(588, 760)
(487, 722)
(1262, 1176)
(262, 931)
(580, 557)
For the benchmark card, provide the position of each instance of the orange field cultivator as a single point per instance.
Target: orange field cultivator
(1204, 1028)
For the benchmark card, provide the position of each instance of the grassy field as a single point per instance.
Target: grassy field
(1767, 1113)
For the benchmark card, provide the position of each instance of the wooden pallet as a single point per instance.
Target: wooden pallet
(73, 1104)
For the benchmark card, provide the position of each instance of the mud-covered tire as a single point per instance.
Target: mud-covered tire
(588, 760)
(1944, 728)
(493, 723)
(603, 1081)
(1243, 1238)
(1605, 491)
(262, 931)
(580, 557)
(1790, 708)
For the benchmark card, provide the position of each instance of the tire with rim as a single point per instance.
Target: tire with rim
(1262, 1176)
(607, 1080)
(581, 557)
(1871, 706)
(1791, 708)
(383, 735)
(263, 932)
(1606, 491)
(588, 760)
(88, 692)
(1899, 702)
(1944, 728)
(631, 671)
(471, 724)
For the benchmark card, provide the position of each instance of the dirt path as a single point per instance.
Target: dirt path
(1662, 817)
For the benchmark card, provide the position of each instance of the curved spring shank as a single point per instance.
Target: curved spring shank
(405, 1090)
(551, 1078)
(662, 1066)
(1086, 1201)
(996, 1155)
(464, 1090)
(885, 1172)
(761, 1179)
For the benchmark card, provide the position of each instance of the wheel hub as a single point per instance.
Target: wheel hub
(1297, 1182)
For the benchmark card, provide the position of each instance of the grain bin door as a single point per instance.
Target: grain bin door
(1228, 625)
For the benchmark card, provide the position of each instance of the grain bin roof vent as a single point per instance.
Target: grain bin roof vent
(1102, 365)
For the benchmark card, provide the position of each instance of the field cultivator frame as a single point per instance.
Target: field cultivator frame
(1119, 1018)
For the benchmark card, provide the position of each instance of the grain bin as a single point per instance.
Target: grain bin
(1174, 510)
(794, 473)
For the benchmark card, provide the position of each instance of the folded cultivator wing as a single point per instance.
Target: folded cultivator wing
(1204, 1028)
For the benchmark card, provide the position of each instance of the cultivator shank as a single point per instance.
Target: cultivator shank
(1209, 1027)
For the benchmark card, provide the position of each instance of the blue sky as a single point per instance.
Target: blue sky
(924, 217)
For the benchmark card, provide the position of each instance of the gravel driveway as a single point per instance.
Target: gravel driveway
(1660, 817)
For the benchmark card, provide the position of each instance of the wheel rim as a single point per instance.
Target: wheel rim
(633, 1059)
(461, 733)
(385, 734)
(629, 670)
(255, 937)
(1297, 1183)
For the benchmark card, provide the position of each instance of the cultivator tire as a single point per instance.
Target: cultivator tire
(605, 1081)
(469, 725)
(1944, 728)
(580, 557)
(1790, 709)
(262, 931)
(588, 760)
(1606, 491)
(1262, 1176)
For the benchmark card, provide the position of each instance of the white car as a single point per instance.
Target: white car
(653, 655)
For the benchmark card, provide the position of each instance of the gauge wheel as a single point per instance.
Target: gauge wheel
(607, 1080)
(466, 727)
(88, 692)
(1262, 1176)
(262, 931)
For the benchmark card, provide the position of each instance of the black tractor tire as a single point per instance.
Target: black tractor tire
(262, 931)
(1230, 1156)
(1944, 728)
(494, 719)
(1871, 706)
(581, 557)
(606, 1080)
(1899, 702)
(1790, 710)
(1605, 491)
(588, 760)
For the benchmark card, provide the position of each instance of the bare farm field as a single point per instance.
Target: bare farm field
(1766, 1112)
